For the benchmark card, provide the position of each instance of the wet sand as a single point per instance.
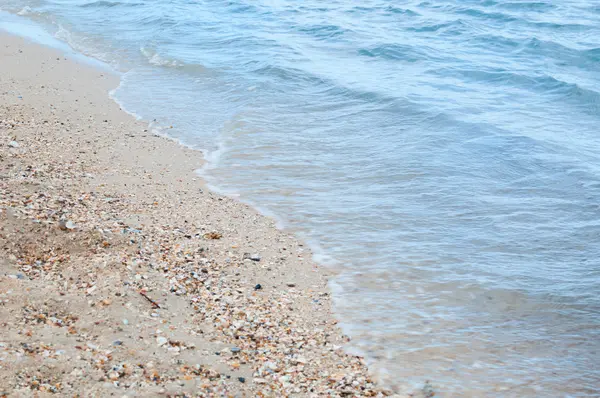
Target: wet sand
(121, 274)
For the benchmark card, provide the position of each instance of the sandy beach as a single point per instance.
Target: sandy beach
(122, 275)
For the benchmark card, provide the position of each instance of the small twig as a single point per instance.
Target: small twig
(154, 303)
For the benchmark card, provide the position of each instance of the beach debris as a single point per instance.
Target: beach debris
(235, 349)
(161, 341)
(258, 287)
(144, 295)
(13, 144)
(290, 284)
(212, 235)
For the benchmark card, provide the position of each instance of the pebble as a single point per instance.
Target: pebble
(253, 257)
(66, 225)
(92, 289)
(257, 287)
(160, 340)
(235, 349)
(92, 346)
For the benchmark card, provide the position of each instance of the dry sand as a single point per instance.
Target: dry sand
(121, 274)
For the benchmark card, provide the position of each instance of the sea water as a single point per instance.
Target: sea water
(444, 155)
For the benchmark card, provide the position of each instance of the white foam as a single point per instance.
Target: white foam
(156, 59)
(25, 11)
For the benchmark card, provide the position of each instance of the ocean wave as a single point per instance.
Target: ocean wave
(571, 56)
(403, 11)
(398, 52)
(592, 54)
(385, 10)
(240, 8)
(323, 32)
(155, 58)
(339, 94)
(456, 26)
(586, 97)
(537, 6)
(109, 4)
(496, 42)
(495, 16)
(290, 75)
(553, 26)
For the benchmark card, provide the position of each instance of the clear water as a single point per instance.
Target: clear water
(444, 154)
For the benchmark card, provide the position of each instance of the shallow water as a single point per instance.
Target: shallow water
(444, 154)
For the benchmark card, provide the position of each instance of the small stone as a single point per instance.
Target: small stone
(253, 257)
(242, 379)
(125, 322)
(301, 360)
(117, 342)
(66, 225)
(235, 349)
(290, 284)
(160, 340)
(92, 346)
(13, 144)
(257, 287)
(77, 372)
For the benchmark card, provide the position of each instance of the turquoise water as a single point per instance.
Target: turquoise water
(445, 155)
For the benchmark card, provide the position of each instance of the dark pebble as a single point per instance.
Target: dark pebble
(242, 379)
(257, 287)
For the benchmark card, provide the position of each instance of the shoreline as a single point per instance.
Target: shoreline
(179, 283)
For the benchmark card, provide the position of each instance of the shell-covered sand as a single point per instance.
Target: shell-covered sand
(121, 274)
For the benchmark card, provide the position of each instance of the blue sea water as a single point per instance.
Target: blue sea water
(444, 155)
